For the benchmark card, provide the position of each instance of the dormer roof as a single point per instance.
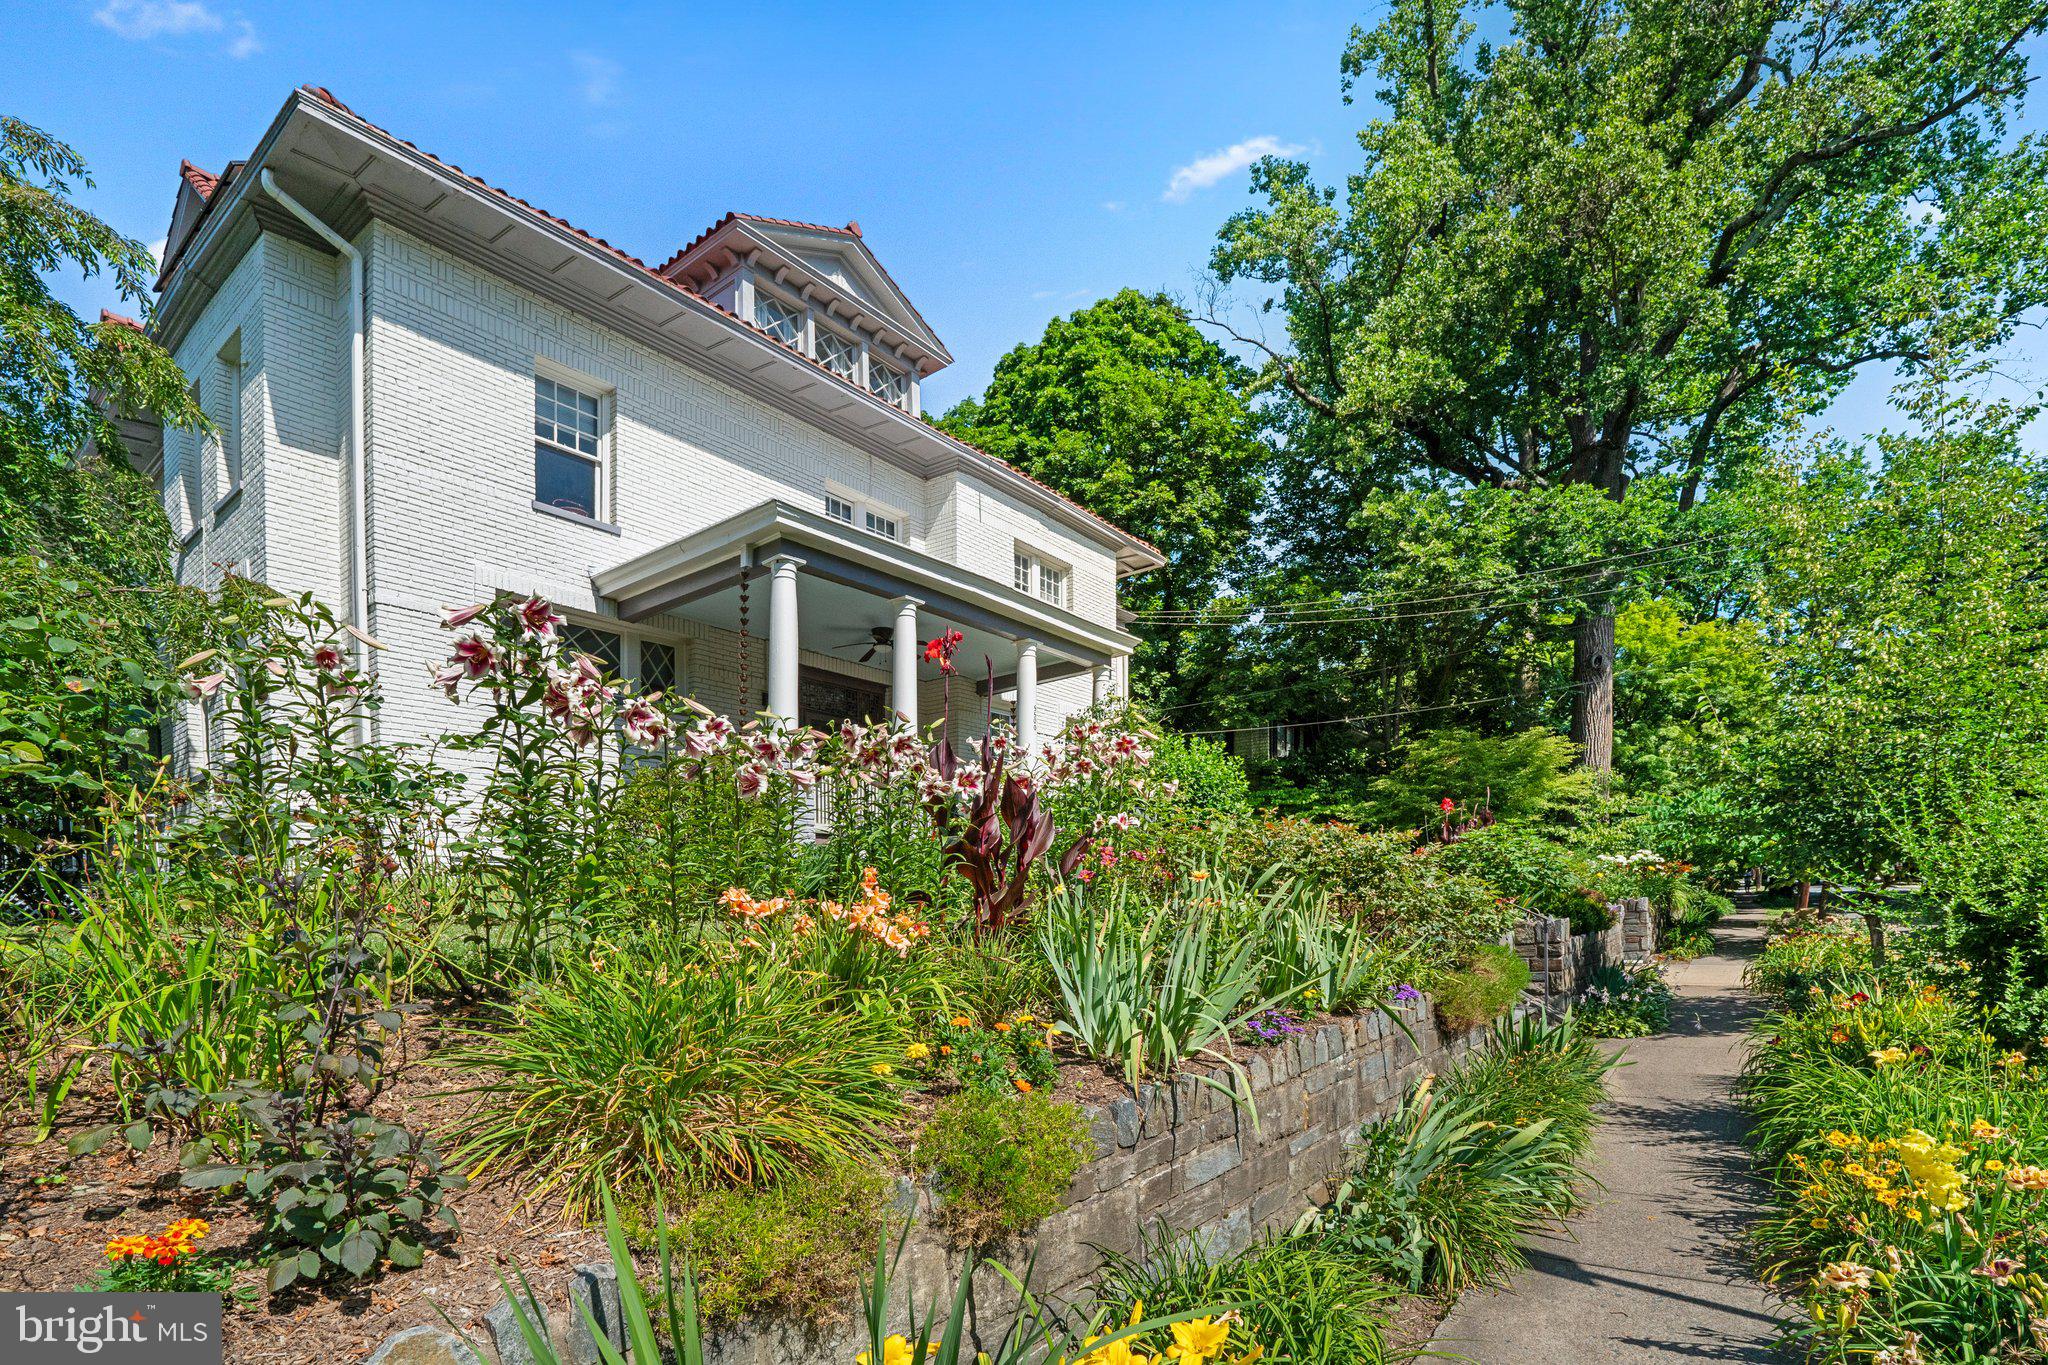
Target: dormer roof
(829, 265)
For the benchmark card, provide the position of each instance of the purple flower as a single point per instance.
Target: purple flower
(1273, 1025)
(1405, 992)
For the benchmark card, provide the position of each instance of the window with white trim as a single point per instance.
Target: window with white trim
(887, 383)
(837, 354)
(568, 459)
(1033, 574)
(872, 517)
(778, 319)
(605, 646)
(657, 666)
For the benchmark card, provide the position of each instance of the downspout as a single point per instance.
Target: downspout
(358, 461)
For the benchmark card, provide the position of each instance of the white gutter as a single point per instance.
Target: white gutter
(358, 462)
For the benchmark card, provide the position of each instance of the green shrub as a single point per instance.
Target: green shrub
(1809, 961)
(1622, 1002)
(1534, 775)
(660, 1072)
(1201, 774)
(1491, 980)
(1304, 1302)
(794, 1250)
(1006, 1057)
(1003, 1161)
(1542, 875)
(1419, 903)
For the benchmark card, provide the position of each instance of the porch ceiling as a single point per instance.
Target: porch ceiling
(845, 587)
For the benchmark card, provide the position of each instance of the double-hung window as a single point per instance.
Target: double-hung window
(778, 319)
(1046, 581)
(568, 461)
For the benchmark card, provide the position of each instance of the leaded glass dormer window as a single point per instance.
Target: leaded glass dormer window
(837, 354)
(778, 319)
(889, 385)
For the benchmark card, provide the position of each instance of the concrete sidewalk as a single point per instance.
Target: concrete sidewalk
(1652, 1271)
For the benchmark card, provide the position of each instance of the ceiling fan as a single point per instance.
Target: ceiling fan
(877, 639)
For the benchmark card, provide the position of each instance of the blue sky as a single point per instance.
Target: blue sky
(1008, 163)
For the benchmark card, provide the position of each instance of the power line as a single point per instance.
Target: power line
(1389, 715)
(1559, 593)
(1241, 611)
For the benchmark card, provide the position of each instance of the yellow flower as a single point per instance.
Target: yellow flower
(1838, 1138)
(1194, 1343)
(1994, 1166)
(1199, 875)
(1885, 1056)
(1125, 1352)
(917, 1052)
(2013, 1059)
(895, 1351)
(881, 1068)
(1981, 1131)
(2027, 1178)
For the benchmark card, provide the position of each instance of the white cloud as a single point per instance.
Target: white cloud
(1112, 206)
(1205, 171)
(156, 251)
(139, 20)
(600, 78)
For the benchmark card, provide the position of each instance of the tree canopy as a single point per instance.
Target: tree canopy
(66, 491)
(1128, 408)
(1637, 235)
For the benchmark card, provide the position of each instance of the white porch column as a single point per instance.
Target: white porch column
(782, 638)
(1027, 693)
(1099, 679)
(903, 664)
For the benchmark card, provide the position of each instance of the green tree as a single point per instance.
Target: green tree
(1637, 235)
(67, 494)
(1128, 409)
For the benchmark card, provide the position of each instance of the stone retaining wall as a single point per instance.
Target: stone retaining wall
(1561, 962)
(1179, 1156)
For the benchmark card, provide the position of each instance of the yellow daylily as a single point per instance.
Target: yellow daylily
(1198, 1341)
(895, 1351)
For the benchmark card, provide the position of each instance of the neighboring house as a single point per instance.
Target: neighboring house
(427, 391)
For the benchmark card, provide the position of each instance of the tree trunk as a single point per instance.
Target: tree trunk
(1593, 683)
(1805, 895)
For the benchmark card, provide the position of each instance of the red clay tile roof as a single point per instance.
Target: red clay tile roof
(326, 97)
(119, 319)
(203, 181)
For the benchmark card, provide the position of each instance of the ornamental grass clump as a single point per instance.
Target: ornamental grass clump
(668, 1070)
(1483, 989)
(1442, 1194)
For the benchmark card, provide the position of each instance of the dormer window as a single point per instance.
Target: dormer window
(837, 354)
(778, 319)
(888, 384)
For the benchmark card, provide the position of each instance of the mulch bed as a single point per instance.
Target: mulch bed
(57, 1213)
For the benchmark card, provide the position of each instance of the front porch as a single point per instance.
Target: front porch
(787, 583)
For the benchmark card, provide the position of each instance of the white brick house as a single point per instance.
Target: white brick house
(428, 390)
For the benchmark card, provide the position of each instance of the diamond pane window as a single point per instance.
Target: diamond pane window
(837, 354)
(657, 666)
(778, 319)
(889, 385)
(601, 645)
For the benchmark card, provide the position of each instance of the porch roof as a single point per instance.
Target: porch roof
(706, 564)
